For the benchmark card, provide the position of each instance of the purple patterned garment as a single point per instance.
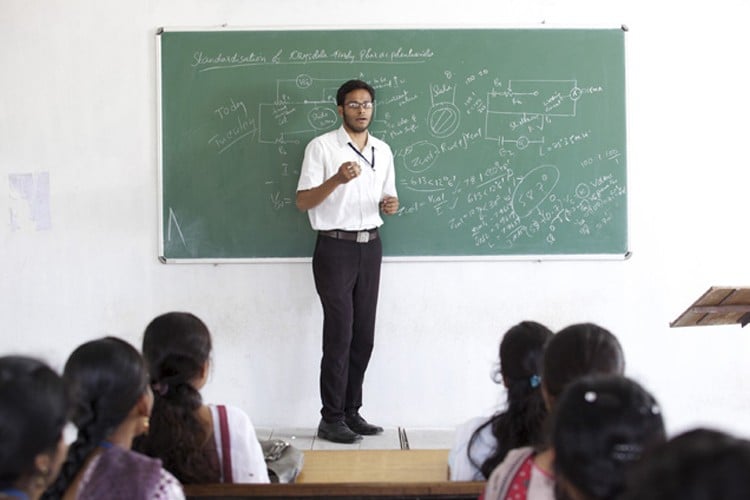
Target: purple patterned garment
(121, 474)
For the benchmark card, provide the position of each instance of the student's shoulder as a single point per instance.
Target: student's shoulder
(512, 461)
(237, 418)
(501, 478)
(467, 428)
(168, 487)
(461, 468)
(229, 408)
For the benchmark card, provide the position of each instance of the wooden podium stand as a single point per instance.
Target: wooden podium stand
(718, 306)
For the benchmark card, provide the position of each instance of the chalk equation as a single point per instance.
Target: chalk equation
(515, 198)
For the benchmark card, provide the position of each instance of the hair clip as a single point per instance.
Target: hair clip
(627, 452)
(654, 409)
(535, 380)
(590, 396)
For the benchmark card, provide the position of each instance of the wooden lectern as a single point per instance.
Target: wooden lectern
(718, 306)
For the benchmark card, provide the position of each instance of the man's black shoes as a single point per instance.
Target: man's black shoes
(359, 425)
(338, 432)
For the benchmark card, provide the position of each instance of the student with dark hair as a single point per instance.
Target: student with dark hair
(185, 433)
(346, 181)
(33, 413)
(602, 426)
(700, 464)
(482, 443)
(573, 352)
(108, 384)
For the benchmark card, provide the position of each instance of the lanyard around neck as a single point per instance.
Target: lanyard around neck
(359, 153)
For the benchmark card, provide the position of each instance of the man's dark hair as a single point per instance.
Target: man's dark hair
(353, 85)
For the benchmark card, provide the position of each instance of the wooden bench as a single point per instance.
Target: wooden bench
(360, 474)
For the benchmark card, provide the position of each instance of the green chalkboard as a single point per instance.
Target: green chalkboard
(506, 141)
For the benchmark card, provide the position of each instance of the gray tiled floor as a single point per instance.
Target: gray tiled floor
(430, 439)
(305, 439)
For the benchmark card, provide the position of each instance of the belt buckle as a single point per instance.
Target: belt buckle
(363, 236)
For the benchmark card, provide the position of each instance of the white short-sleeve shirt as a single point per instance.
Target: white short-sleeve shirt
(353, 206)
(461, 468)
(248, 464)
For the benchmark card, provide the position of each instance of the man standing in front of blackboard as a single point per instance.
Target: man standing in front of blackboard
(347, 179)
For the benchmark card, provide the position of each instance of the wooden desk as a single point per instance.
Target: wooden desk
(356, 474)
(374, 466)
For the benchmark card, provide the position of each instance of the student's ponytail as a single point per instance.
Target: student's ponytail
(105, 379)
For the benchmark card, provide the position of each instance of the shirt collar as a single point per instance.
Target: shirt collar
(344, 138)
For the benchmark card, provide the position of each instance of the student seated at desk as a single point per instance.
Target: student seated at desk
(602, 426)
(571, 353)
(482, 443)
(33, 412)
(108, 382)
(185, 433)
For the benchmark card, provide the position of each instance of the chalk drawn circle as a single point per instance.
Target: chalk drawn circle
(322, 118)
(534, 188)
(420, 156)
(304, 81)
(575, 93)
(583, 190)
(522, 142)
(443, 119)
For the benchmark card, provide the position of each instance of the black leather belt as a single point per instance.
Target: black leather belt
(358, 236)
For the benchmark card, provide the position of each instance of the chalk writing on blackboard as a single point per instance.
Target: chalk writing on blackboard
(173, 223)
(505, 141)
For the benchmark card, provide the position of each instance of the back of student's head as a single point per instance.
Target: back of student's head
(578, 350)
(521, 352)
(701, 464)
(520, 424)
(33, 412)
(602, 425)
(106, 378)
(177, 347)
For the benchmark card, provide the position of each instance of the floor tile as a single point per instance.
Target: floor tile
(429, 439)
(388, 440)
(322, 444)
(299, 438)
(263, 433)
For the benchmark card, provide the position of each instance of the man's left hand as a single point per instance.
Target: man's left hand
(389, 205)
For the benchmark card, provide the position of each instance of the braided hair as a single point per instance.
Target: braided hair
(105, 378)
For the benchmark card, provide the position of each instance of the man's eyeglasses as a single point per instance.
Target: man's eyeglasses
(358, 105)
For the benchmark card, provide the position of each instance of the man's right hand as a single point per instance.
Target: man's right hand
(309, 198)
(348, 171)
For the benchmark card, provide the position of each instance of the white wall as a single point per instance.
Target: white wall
(77, 100)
